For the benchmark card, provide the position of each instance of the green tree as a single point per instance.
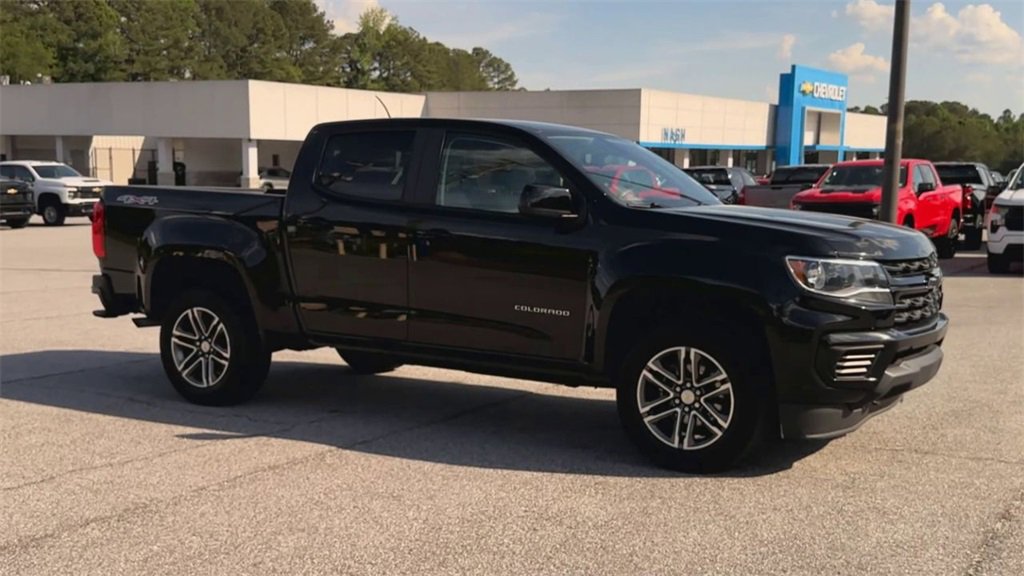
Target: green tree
(242, 39)
(308, 43)
(87, 44)
(497, 73)
(159, 38)
(24, 56)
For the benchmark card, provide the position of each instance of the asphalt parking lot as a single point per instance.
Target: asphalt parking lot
(104, 470)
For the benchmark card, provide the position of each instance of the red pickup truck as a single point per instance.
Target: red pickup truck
(855, 189)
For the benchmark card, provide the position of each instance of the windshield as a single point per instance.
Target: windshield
(798, 175)
(630, 174)
(859, 176)
(55, 171)
(959, 174)
(1016, 181)
(712, 176)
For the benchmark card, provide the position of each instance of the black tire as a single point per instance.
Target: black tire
(946, 246)
(368, 362)
(54, 213)
(17, 222)
(972, 238)
(247, 359)
(751, 398)
(267, 188)
(998, 263)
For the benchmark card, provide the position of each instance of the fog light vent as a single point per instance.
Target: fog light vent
(856, 364)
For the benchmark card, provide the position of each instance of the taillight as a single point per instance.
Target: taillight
(99, 243)
(742, 198)
(968, 192)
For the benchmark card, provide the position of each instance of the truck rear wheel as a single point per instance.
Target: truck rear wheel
(972, 238)
(368, 362)
(211, 351)
(946, 246)
(692, 400)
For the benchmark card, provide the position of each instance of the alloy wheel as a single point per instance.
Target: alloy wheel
(685, 398)
(200, 347)
(50, 213)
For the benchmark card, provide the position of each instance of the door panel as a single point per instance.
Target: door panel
(485, 277)
(508, 287)
(349, 241)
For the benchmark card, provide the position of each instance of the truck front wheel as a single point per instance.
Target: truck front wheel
(212, 353)
(53, 213)
(692, 402)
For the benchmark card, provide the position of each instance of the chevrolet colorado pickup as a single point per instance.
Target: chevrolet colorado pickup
(924, 203)
(501, 247)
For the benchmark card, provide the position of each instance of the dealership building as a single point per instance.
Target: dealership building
(224, 132)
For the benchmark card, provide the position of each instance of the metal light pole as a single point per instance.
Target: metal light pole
(894, 128)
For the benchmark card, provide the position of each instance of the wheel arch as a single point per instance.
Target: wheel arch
(638, 306)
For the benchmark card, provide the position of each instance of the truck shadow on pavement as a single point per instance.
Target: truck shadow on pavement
(390, 415)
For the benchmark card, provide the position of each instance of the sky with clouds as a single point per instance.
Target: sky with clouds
(967, 51)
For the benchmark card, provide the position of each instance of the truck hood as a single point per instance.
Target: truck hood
(848, 237)
(1010, 198)
(77, 181)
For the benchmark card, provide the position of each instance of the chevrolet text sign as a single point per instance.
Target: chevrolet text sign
(823, 91)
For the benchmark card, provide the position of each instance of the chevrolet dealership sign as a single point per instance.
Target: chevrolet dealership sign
(824, 91)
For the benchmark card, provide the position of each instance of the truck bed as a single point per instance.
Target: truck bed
(130, 212)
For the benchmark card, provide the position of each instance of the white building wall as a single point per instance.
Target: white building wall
(614, 111)
(184, 109)
(865, 131)
(706, 120)
(280, 111)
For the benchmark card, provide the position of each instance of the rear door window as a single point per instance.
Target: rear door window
(371, 165)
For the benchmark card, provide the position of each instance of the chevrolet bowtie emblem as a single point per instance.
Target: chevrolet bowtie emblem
(806, 88)
(12, 190)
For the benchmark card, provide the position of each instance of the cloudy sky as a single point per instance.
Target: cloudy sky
(967, 51)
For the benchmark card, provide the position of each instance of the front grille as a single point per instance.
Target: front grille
(915, 308)
(89, 193)
(855, 209)
(856, 364)
(916, 289)
(1015, 218)
(901, 268)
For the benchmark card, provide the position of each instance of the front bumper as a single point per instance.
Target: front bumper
(898, 362)
(16, 210)
(80, 207)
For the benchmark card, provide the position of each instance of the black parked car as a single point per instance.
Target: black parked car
(726, 182)
(528, 250)
(16, 202)
(980, 188)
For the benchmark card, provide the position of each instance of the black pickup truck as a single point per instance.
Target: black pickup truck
(534, 251)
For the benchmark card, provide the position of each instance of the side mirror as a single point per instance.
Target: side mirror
(925, 187)
(546, 202)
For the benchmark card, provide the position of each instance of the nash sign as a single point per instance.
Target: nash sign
(673, 135)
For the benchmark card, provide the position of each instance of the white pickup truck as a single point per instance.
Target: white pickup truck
(1005, 223)
(59, 190)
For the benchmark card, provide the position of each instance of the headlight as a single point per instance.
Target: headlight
(997, 217)
(855, 281)
(72, 193)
